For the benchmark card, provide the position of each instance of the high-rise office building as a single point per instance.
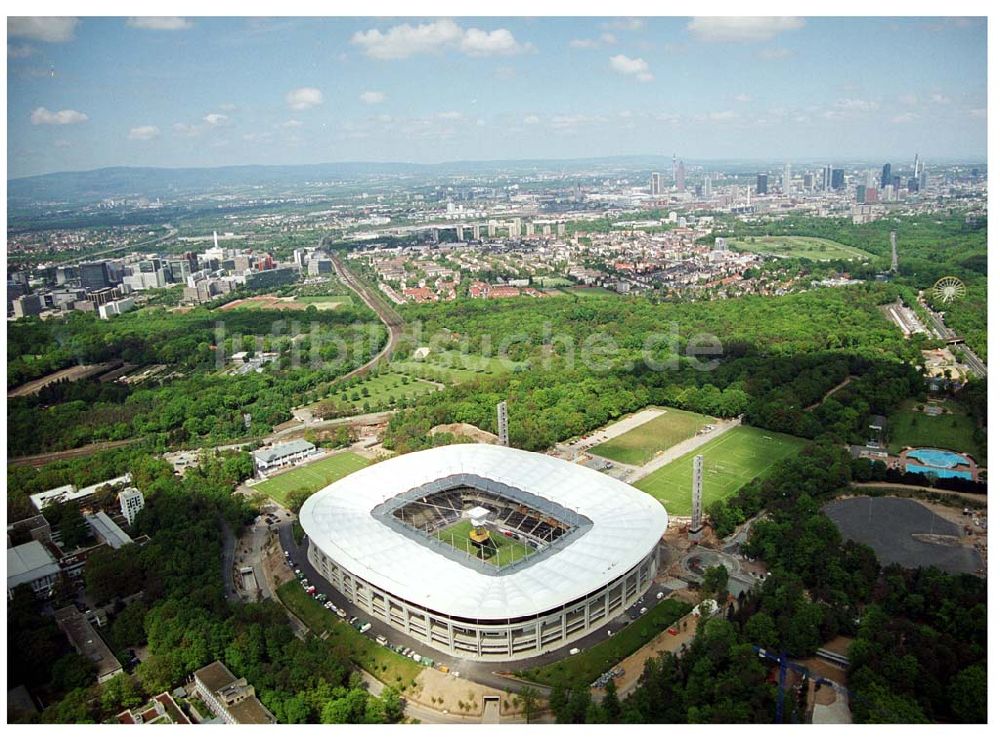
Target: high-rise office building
(680, 176)
(886, 175)
(762, 183)
(706, 188)
(654, 184)
(837, 179)
(515, 228)
(94, 275)
(808, 181)
(828, 178)
(786, 180)
(859, 195)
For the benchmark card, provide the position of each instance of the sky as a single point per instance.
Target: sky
(84, 93)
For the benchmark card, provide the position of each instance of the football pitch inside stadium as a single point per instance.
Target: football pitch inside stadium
(509, 550)
(731, 461)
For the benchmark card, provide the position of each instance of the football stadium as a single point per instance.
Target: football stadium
(486, 552)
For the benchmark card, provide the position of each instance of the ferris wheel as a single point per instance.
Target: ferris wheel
(948, 288)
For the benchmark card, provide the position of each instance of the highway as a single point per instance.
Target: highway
(171, 233)
(976, 365)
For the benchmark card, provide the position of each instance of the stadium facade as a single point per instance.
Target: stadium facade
(553, 551)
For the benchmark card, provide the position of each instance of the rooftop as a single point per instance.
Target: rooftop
(288, 448)
(107, 531)
(29, 562)
(71, 492)
(625, 524)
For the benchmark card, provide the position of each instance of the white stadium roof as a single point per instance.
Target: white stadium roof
(626, 525)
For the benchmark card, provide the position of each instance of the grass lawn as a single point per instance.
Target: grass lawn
(950, 431)
(589, 291)
(731, 461)
(589, 664)
(638, 446)
(804, 247)
(384, 664)
(509, 550)
(383, 390)
(450, 367)
(314, 476)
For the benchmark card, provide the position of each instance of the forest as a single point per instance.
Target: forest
(196, 405)
(184, 618)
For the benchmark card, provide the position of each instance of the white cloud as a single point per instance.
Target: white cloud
(303, 98)
(216, 119)
(19, 51)
(908, 99)
(773, 54)
(449, 115)
(228, 107)
(637, 68)
(500, 42)
(742, 28)
(384, 118)
(160, 23)
(143, 133)
(531, 120)
(904, 118)
(51, 30)
(372, 97)
(940, 99)
(856, 104)
(584, 43)
(743, 98)
(40, 116)
(722, 116)
(977, 113)
(291, 123)
(405, 40)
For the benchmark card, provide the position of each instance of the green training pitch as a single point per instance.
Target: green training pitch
(802, 247)
(731, 461)
(954, 430)
(314, 476)
(508, 551)
(638, 446)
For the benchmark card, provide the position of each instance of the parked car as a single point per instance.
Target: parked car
(365, 627)
(380, 639)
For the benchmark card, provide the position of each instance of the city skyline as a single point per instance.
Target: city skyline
(356, 89)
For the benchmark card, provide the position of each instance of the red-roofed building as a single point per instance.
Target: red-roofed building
(479, 290)
(419, 295)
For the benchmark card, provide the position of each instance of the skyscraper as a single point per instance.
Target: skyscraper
(828, 178)
(680, 176)
(886, 175)
(654, 184)
(837, 179)
(762, 183)
(706, 188)
(94, 275)
(786, 180)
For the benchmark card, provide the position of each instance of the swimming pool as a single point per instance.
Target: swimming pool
(939, 472)
(938, 458)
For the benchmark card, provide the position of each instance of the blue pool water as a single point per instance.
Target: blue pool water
(938, 458)
(939, 472)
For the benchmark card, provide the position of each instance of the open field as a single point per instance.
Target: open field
(451, 366)
(731, 461)
(950, 431)
(382, 390)
(384, 664)
(589, 664)
(322, 302)
(314, 476)
(70, 374)
(803, 247)
(589, 291)
(509, 550)
(638, 446)
(325, 302)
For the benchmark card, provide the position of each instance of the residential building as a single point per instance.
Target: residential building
(132, 502)
(232, 699)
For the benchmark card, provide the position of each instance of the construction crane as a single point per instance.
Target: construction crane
(783, 667)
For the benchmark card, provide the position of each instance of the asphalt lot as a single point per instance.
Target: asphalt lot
(887, 525)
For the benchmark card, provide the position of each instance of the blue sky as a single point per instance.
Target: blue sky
(95, 92)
